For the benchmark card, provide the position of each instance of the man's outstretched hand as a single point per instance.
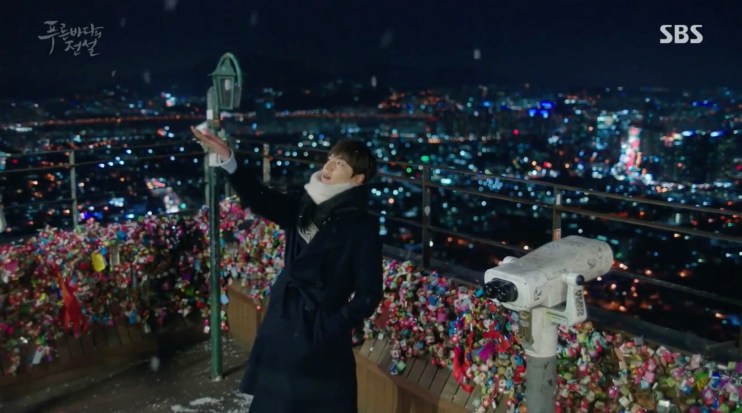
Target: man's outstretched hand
(212, 142)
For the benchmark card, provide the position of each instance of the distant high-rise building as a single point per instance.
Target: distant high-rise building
(726, 164)
(631, 152)
(668, 156)
(606, 131)
(688, 157)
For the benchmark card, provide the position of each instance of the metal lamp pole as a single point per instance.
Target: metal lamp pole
(215, 331)
(223, 95)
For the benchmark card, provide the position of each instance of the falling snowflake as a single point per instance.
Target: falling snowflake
(170, 5)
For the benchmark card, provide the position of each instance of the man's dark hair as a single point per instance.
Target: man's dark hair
(358, 156)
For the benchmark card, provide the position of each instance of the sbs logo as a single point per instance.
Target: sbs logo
(678, 34)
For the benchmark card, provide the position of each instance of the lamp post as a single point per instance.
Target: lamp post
(223, 95)
(228, 84)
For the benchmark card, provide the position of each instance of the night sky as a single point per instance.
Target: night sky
(404, 43)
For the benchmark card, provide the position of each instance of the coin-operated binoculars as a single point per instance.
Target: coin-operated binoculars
(546, 287)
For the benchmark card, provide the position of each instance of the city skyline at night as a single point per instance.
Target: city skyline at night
(498, 127)
(632, 145)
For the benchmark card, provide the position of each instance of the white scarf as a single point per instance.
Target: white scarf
(321, 192)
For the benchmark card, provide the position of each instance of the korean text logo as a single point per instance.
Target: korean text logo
(74, 38)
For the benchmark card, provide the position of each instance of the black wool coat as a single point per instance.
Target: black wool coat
(302, 359)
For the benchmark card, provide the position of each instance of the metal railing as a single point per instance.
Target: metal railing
(661, 334)
(265, 153)
(71, 165)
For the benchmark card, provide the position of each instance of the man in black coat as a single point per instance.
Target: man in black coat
(302, 359)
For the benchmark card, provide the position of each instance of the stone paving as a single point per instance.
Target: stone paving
(178, 383)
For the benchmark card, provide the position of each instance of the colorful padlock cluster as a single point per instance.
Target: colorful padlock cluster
(598, 371)
(145, 270)
(137, 272)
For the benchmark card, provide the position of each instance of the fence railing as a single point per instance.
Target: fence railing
(267, 154)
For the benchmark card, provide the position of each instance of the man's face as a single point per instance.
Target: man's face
(337, 171)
